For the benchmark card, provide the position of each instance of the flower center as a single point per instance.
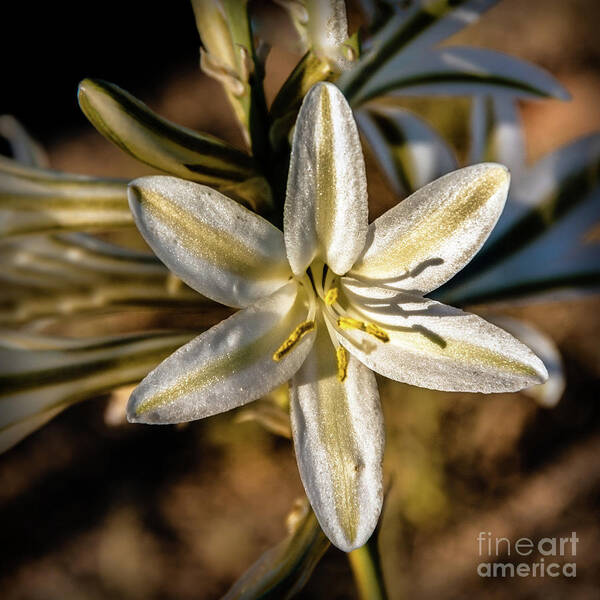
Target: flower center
(320, 284)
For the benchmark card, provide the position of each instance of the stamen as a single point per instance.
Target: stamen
(370, 328)
(331, 296)
(342, 363)
(293, 339)
(350, 323)
(376, 331)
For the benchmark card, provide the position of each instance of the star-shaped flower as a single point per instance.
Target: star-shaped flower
(326, 303)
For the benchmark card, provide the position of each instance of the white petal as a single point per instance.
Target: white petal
(549, 393)
(221, 249)
(339, 437)
(326, 210)
(229, 365)
(424, 240)
(436, 346)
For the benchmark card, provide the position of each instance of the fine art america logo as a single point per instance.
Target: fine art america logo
(551, 556)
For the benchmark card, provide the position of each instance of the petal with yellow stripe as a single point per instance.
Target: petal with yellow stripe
(326, 209)
(436, 346)
(427, 238)
(229, 365)
(219, 248)
(339, 437)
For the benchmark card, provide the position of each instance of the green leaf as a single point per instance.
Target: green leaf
(70, 302)
(281, 572)
(34, 200)
(284, 109)
(462, 71)
(36, 384)
(409, 152)
(540, 200)
(410, 31)
(132, 126)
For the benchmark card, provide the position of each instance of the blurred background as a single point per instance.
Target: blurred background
(90, 511)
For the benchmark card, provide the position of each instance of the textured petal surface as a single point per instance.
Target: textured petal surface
(436, 346)
(229, 365)
(339, 437)
(424, 240)
(326, 210)
(216, 246)
(549, 393)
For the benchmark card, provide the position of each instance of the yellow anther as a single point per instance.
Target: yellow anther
(342, 363)
(379, 333)
(331, 296)
(293, 339)
(370, 328)
(350, 323)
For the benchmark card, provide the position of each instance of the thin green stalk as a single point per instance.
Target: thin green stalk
(366, 568)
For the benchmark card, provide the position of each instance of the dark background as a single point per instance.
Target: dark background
(47, 48)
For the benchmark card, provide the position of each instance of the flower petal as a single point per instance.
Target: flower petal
(229, 365)
(326, 209)
(216, 246)
(436, 346)
(549, 393)
(338, 436)
(424, 240)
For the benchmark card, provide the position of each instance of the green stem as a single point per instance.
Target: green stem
(367, 572)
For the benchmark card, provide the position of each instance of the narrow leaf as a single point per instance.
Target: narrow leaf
(34, 200)
(37, 384)
(409, 153)
(462, 71)
(282, 571)
(132, 126)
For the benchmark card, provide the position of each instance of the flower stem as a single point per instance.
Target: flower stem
(366, 568)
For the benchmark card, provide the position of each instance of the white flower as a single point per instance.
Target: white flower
(325, 304)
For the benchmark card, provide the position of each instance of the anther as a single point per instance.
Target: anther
(342, 363)
(331, 296)
(376, 331)
(370, 328)
(293, 339)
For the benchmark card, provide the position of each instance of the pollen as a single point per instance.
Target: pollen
(377, 331)
(331, 296)
(293, 339)
(370, 328)
(342, 363)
